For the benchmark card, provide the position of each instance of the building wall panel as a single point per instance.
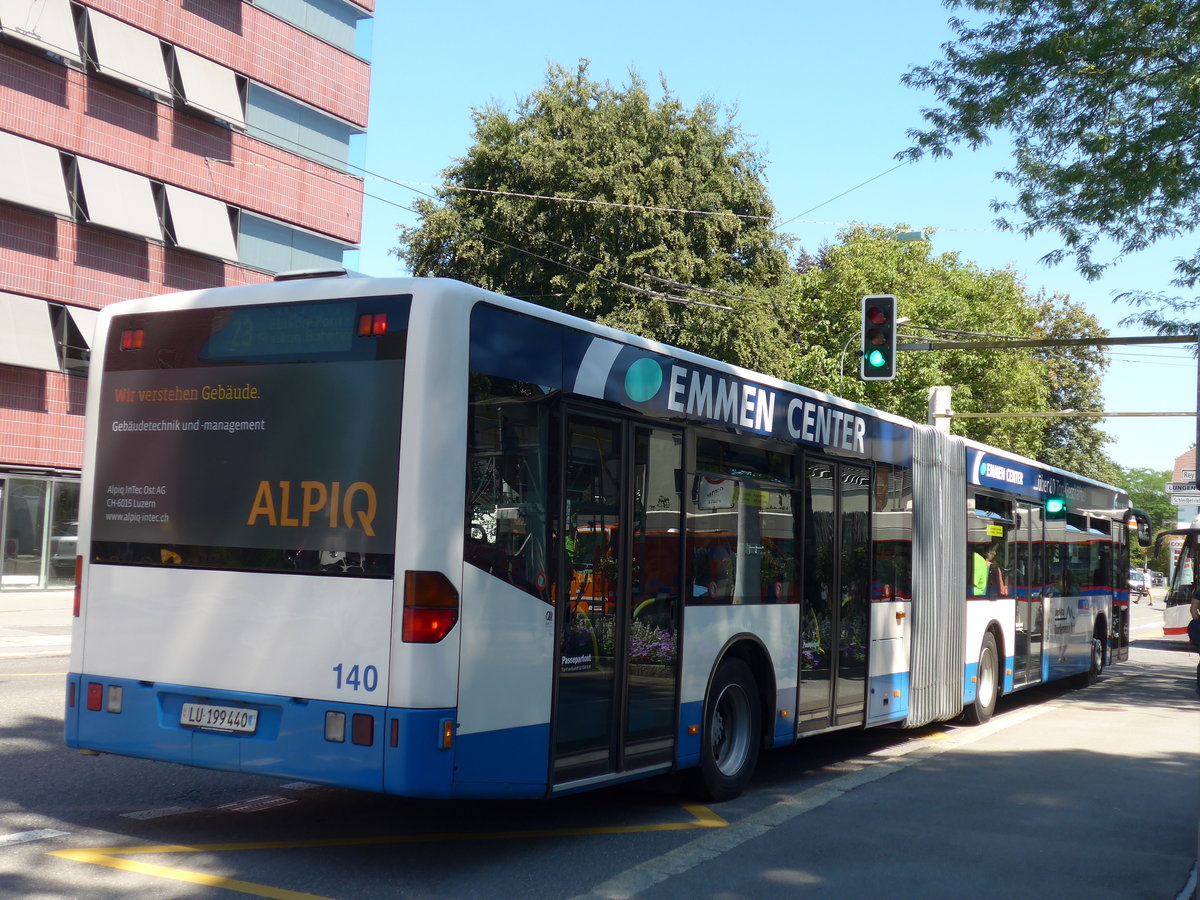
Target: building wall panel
(41, 418)
(54, 259)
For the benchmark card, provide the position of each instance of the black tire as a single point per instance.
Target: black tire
(1096, 666)
(731, 734)
(987, 683)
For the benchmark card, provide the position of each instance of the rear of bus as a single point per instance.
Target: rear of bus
(239, 551)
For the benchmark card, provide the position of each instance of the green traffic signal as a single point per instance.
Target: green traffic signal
(1056, 507)
(878, 334)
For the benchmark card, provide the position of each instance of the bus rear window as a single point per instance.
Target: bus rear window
(256, 438)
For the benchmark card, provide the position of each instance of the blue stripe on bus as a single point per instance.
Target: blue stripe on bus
(687, 746)
(882, 703)
(970, 688)
(289, 742)
(511, 762)
(971, 672)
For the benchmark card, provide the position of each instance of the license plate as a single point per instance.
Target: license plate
(219, 718)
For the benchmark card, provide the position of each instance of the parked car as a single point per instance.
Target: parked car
(1139, 585)
(62, 551)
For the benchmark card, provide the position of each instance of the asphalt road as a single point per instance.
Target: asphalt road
(1065, 793)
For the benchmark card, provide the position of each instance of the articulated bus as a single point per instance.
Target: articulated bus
(409, 536)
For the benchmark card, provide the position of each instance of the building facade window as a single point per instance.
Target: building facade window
(275, 247)
(208, 88)
(45, 24)
(331, 20)
(39, 520)
(283, 122)
(31, 175)
(119, 51)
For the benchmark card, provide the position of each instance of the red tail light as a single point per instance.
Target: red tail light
(430, 607)
(95, 696)
(372, 324)
(78, 585)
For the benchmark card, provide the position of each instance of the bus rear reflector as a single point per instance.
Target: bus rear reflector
(95, 696)
(362, 729)
(430, 607)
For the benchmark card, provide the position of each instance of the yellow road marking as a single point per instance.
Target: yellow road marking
(113, 857)
(101, 858)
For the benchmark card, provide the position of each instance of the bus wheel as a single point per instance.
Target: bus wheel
(987, 683)
(1096, 666)
(730, 739)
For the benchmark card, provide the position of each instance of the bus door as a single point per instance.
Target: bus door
(1119, 559)
(618, 617)
(1029, 579)
(836, 595)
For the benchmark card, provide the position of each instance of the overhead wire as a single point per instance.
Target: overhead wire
(335, 163)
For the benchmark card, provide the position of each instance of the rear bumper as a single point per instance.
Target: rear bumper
(403, 755)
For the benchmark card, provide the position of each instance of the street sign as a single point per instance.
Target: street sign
(1178, 487)
(1192, 499)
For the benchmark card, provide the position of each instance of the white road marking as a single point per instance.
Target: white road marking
(255, 804)
(23, 837)
(159, 813)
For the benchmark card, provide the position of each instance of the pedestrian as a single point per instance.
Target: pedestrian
(987, 575)
(1193, 630)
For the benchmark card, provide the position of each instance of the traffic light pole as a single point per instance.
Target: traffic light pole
(1013, 343)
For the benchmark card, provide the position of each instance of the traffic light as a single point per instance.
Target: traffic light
(1056, 507)
(878, 361)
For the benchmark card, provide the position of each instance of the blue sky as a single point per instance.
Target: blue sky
(817, 88)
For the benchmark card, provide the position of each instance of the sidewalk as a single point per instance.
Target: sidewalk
(1065, 793)
(35, 623)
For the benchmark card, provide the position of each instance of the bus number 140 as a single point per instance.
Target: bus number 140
(367, 679)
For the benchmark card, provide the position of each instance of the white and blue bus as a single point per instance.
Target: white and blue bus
(1181, 586)
(409, 536)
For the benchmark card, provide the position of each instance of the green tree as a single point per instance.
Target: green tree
(605, 203)
(1102, 99)
(757, 332)
(1147, 491)
(1073, 377)
(944, 292)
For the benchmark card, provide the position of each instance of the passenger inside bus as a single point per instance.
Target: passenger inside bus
(987, 573)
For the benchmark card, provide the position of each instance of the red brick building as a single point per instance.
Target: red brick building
(149, 146)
